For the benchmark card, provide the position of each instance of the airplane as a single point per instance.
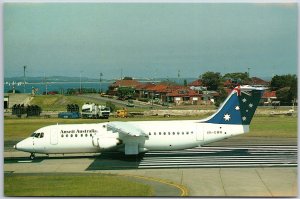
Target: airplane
(232, 118)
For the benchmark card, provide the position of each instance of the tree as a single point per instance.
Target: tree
(238, 78)
(283, 96)
(222, 96)
(111, 106)
(185, 83)
(293, 90)
(211, 80)
(125, 91)
(281, 81)
(285, 87)
(127, 78)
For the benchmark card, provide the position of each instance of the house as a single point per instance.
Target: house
(197, 85)
(208, 97)
(142, 90)
(268, 97)
(184, 96)
(257, 82)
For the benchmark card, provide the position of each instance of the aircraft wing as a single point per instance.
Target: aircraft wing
(126, 128)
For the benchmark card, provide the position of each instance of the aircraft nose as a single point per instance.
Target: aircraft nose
(25, 145)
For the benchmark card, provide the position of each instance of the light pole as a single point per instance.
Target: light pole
(24, 76)
(80, 82)
(249, 72)
(46, 86)
(100, 89)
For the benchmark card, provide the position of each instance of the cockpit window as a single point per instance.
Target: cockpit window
(42, 135)
(37, 135)
(32, 135)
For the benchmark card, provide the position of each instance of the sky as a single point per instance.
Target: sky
(147, 40)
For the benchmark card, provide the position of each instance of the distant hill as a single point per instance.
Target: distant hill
(51, 79)
(86, 79)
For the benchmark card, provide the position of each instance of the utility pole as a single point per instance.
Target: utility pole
(249, 72)
(100, 89)
(178, 75)
(80, 82)
(24, 76)
(46, 86)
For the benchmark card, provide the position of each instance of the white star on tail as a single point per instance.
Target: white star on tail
(237, 108)
(250, 105)
(226, 117)
(244, 100)
(244, 118)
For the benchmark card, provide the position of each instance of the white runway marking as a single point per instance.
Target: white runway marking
(25, 161)
(210, 157)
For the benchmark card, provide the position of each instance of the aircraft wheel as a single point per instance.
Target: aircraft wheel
(32, 156)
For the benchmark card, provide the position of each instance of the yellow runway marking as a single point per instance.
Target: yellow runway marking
(183, 189)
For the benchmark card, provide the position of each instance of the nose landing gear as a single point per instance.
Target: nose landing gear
(32, 156)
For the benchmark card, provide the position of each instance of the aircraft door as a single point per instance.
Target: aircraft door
(199, 133)
(53, 136)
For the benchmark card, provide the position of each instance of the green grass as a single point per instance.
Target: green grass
(72, 185)
(277, 126)
(60, 102)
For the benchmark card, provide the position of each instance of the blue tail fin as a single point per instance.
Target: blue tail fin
(239, 107)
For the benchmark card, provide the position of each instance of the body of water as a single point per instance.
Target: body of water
(60, 87)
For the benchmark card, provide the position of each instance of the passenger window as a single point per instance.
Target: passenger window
(149, 133)
(86, 135)
(182, 133)
(62, 135)
(192, 132)
(71, 135)
(187, 133)
(42, 135)
(168, 133)
(37, 135)
(75, 135)
(164, 133)
(81, 135)
(154, 133)
(91, 135)
(159, 133)
(178, 133)
(173, 133)
(67, 135)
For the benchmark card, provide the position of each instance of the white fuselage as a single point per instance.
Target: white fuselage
(161, 135)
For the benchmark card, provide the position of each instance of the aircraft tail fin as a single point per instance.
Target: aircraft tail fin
(239, 107)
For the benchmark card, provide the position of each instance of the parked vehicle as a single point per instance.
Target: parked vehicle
(122, 113)
(69, 115)
(94, 111)
(130, 103)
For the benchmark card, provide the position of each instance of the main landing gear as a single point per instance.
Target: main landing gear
(32, 156)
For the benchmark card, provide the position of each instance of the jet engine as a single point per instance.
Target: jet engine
(106, 142)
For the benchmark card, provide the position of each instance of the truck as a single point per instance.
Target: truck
(92, 110)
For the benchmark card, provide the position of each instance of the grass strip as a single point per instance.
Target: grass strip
(72, 185)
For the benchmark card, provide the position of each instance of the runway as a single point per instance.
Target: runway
(204, 157)
(201, 157)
